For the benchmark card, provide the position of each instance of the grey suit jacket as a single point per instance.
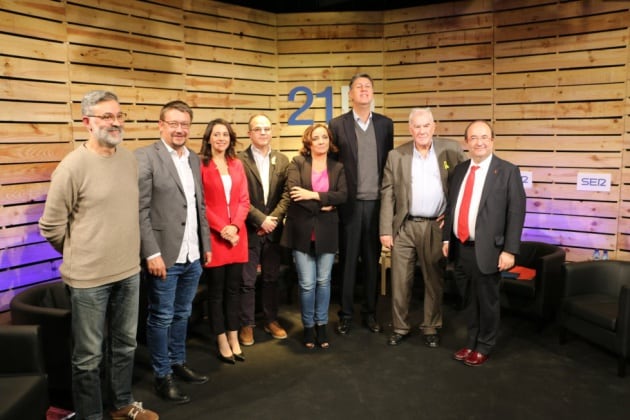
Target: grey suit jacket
(396, 186)
(277, 201)
(500, 216)
(163, 204)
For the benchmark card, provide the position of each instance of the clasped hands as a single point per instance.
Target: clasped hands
(230, 234)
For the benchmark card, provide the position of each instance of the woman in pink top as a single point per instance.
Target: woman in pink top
(317, 184)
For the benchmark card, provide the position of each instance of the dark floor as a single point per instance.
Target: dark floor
(530, 376)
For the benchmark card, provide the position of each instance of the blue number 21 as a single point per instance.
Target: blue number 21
(326, 94)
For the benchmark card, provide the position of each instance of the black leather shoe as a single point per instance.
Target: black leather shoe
(167, 389)
(239, 356)
(230, 360)
(186, 374)
(371, 324)
(432, 340)
(343, 328)
(396, 338)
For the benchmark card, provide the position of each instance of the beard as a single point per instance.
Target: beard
(109, 136)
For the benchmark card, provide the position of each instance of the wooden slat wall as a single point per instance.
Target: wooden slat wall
(551, 75)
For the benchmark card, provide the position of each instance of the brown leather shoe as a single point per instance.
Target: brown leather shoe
(276, 330)
(246, 336)
(134, 411)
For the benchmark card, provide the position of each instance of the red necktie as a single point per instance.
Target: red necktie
(462, 222)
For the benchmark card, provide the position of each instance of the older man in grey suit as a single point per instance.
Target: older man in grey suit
(174, 238)
(413, 201)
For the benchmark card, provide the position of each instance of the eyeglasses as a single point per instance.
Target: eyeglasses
(110, 118)
(175, 124)
(259, 130)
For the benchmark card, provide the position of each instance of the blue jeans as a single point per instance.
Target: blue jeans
(170, 304)
(117, 304)
(314, 280)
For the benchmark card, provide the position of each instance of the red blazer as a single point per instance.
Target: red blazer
(217, 212)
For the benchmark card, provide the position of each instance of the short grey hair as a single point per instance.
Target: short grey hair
(415, 111)
(94, 97)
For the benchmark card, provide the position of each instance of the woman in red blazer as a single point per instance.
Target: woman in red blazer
(317, 185)
(227, 204)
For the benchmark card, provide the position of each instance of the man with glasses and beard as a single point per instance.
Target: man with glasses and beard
(91, 217)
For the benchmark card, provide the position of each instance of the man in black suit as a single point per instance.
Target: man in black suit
(364, 138)
(484, 225)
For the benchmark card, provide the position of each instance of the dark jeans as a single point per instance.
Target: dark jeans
(268, 255)
(223, 300)
(170, 304)
(360, 239)
(113, 308)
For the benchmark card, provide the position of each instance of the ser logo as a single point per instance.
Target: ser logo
(593, 182)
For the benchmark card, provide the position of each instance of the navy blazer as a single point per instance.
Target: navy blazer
(344, 136)
(304, 217)
(501, 212)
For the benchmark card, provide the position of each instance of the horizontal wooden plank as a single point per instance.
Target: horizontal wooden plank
(439, 55)
(227, 24)
(160, 10)
(612, 91)
(563, 238)
(30, 112)
(421, 99)
(409, 71)
(43, 9)
(560, 110)
(17, 278)
(430, 11)
(330, 32)
(19, 236)
(29, 172)
(434, 39)
(23, 68)
(125, 77)
(336, 45)
(341, 59)
(569, 191)
(229, 55)
(216, 8)
(571, 223)
(27, 254)
(456, 22)
(21, 214)
(99, 36)
(111, 21)
(326, 18)
(571, 142)
(227, 40)
(562, 206)
(31, 132)
(22, 90)
(224, 70)
(601, 160)
(601, 126)
(552, 174)
(13, 23)
(589, 41)
(30, 152)
(37, 49)
(600, 75)
(23, 193)
(569, 60)
(343, 74)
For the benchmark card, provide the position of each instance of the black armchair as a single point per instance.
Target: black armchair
(23, 387)
(541, 296)
(596, 306)
(48, 305)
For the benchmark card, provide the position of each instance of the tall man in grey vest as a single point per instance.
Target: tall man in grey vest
(364, 138)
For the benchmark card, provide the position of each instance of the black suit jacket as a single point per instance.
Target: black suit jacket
(277, 201)
(501, 212)
(304, 217)
(344, 136)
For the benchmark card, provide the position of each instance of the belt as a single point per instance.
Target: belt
(421, 219)
(467, 243)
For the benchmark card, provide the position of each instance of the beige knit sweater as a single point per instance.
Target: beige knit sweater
(91, 217)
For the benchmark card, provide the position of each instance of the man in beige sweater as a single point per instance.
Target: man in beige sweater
(91, 217)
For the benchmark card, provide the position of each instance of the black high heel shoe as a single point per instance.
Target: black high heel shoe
(239, 356)
(230, 360)
(322, 338)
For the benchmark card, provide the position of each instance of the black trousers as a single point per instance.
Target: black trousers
(481, 299)
(360, 239)
(223, 297)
